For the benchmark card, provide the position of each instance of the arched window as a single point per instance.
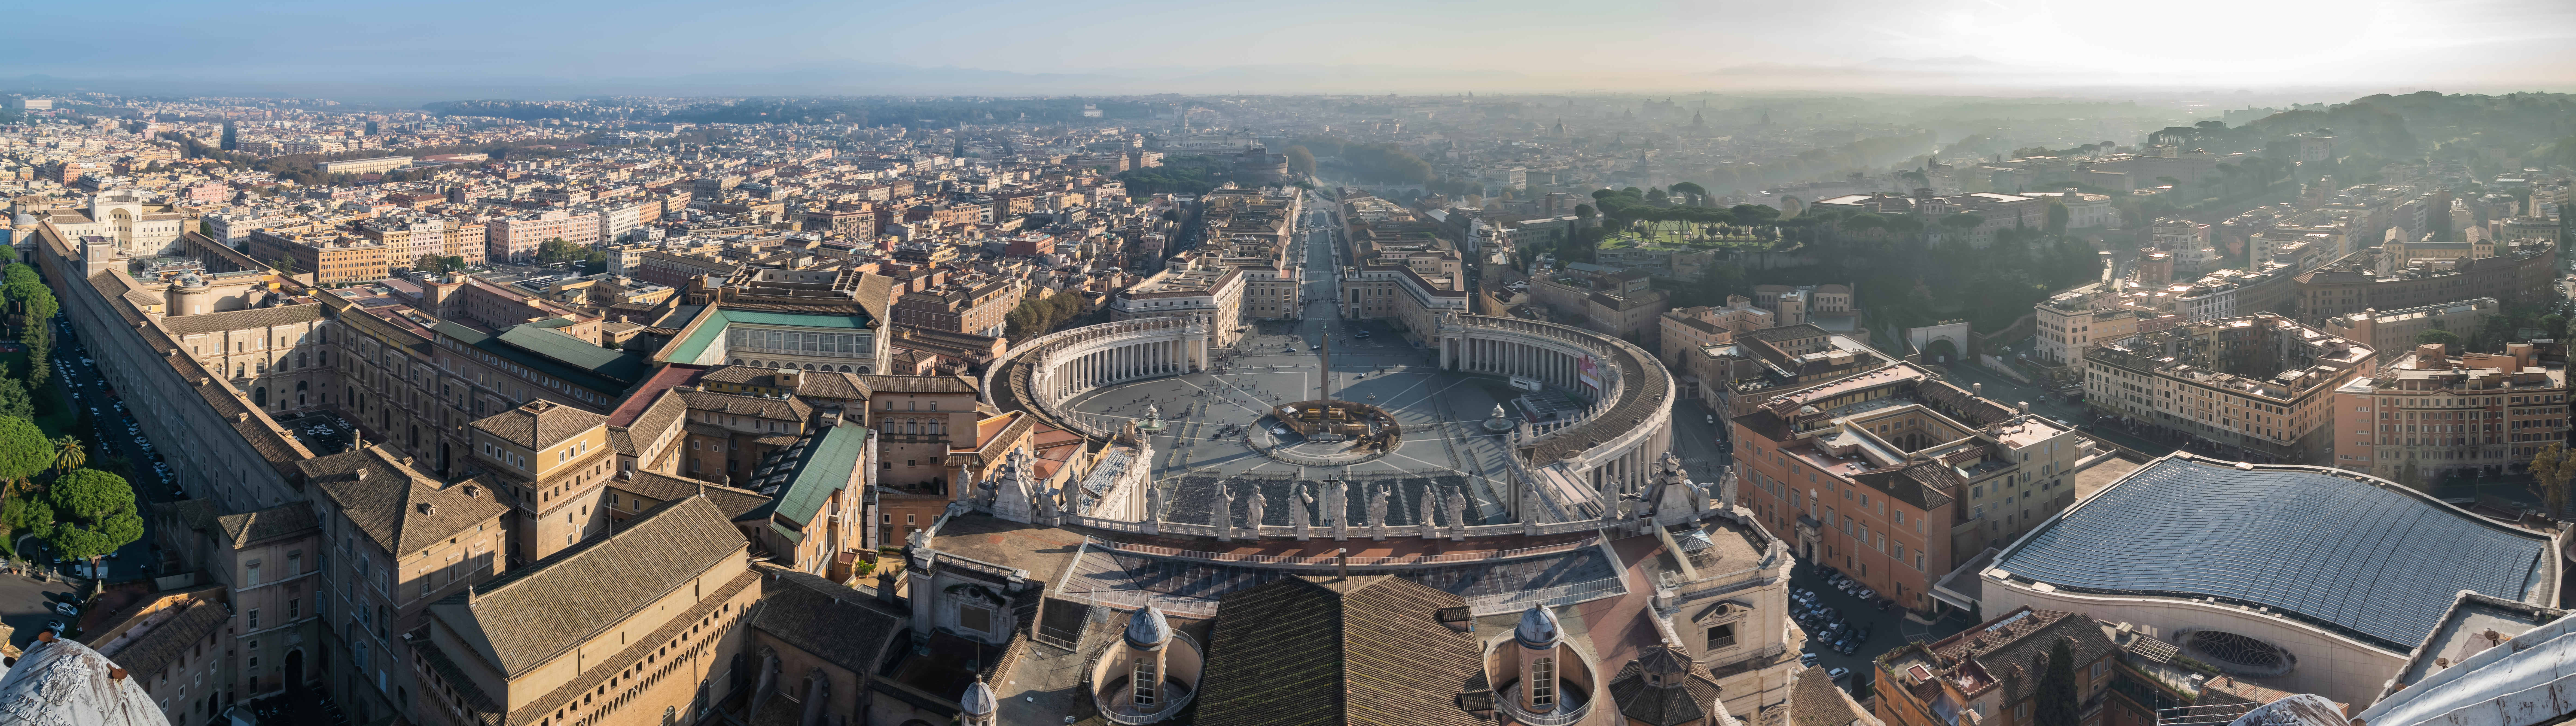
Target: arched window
(260, 396)
(1542, 686)
(303, 360)
(241, 370)
(911, 427)
(863, 370)
(845, 369)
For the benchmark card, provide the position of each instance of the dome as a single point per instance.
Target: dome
(1147, 630)
(25, 220)
(1538, 628)
(979, 700)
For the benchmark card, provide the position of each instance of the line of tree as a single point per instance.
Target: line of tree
(1036, 316)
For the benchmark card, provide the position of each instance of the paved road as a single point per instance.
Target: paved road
(114, 435)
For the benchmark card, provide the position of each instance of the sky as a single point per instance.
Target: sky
(550, 49)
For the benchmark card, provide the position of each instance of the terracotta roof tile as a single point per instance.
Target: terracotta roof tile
(529, 616)
(1317, 650)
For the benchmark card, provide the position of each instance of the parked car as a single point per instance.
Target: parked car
(54, 625)
(66, 609)
(1865, 593)
(1837, 674)
(1850, 646)
(1863, 635)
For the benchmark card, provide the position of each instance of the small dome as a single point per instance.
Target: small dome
(979, 700)
(1664, 660)
(1538, 628)
(1147, 630)
(26, 220)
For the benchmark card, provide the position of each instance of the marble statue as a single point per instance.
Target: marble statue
(1377, 512)
(1298, 517)
(1252, 511)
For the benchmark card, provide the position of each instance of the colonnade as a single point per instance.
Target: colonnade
(1546, 364)
(1081, 371)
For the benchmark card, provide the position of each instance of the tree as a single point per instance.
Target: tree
(438, 265)
(24, 451)
(557, 250)
(89, 494)
(2550, 470)
(14, 400)
(2058, 216)
(26, 514)
(98, 514)
(2437, 335)
(2057, 699)
(1300, 161)
(68, 453)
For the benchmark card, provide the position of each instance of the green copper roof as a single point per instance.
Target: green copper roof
(712, 328)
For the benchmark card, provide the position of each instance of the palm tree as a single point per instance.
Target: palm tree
(68, 454)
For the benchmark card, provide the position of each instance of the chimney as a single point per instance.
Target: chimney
(1977, 388)
(2025, 408)
(1342, 562)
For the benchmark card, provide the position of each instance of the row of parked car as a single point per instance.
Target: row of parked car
(1826, 625)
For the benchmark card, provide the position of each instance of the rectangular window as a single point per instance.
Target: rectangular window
(253, 617)
(1721, 636)
(974, 618)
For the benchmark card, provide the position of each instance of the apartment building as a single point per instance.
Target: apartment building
(516, 238)
(941, 300)
(1198, 289)
(2262, 384)
(409, 238)
(2392, 332)
(332, 257)
(2427, 415)
(1895, 478)
(2520, 272)
(1688, 330)
(1618, 303)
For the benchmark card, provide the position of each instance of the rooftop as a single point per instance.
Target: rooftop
(2356, 555)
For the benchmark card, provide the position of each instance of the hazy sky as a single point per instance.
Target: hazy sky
(474, 48)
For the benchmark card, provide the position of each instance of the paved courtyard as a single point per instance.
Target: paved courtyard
(1441, 411)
